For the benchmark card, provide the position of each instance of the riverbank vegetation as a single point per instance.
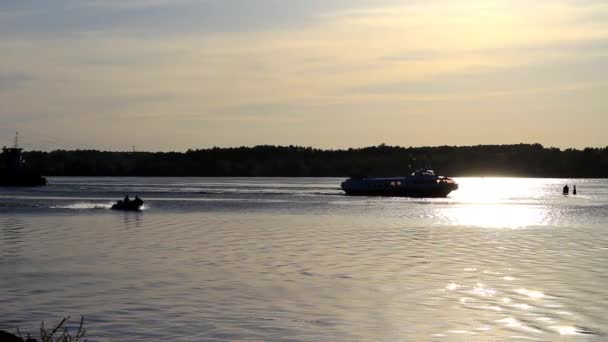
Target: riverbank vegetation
(526, 160)
(59, 333)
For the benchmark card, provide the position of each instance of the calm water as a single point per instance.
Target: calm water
(295, 260)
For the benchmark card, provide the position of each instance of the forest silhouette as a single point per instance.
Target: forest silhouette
(521, 160)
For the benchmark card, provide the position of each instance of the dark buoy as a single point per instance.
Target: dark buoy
(574, 190)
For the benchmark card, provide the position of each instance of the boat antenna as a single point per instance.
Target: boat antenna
(16, 139)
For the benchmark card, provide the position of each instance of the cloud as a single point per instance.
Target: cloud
(165, 17)
(549, 66)
(12, 79)
(127, 4)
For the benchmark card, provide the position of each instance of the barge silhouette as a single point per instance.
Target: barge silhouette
(14, 171)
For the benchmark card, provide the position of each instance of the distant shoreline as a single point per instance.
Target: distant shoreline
(521, 160)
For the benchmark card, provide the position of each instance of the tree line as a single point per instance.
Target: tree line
(525, 160)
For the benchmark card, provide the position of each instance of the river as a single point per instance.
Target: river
(293, 259)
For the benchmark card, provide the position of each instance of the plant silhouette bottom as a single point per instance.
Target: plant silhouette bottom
(60, 333)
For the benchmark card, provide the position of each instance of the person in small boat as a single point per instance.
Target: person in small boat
(566, 189)
(126, 200)
(138, 201)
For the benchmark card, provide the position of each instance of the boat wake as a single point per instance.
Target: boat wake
(84, 205)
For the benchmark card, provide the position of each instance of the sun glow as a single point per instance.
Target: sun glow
(495, 216)
(353, 65)
(497, 203)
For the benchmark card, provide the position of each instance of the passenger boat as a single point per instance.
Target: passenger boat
(421, 183)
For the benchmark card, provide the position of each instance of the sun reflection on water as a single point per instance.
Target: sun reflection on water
(500, 202)
(496, 215)
(501, 190)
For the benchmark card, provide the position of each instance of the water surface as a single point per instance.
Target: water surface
(295, 260)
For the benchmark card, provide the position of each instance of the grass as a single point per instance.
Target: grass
(60, 333)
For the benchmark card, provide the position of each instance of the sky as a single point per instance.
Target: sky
(166, 75)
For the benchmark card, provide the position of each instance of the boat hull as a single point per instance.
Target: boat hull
(440, 190)
(126, 208)
(22, 181)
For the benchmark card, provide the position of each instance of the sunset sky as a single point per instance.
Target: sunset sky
(179, 74)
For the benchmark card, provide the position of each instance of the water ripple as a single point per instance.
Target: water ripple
(283, 260)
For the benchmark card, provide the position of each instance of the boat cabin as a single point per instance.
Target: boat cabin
(12, 158)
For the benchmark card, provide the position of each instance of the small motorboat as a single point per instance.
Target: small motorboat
(134, 205)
